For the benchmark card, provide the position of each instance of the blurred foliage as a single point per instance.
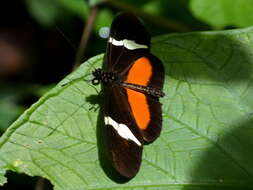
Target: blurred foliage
(176, 9)
(216, 13)
(104, 19)
(9, 108)
(93, 3)
(48, 32)
(14, 99)
(222, 13)
(6, 116)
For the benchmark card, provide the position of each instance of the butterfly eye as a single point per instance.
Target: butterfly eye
(95, 81)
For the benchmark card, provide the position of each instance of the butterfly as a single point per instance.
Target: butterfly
(132, 80)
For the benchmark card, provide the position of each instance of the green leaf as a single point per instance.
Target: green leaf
(206, 141)
(220, 13)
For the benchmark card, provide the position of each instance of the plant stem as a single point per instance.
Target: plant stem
(80, 55)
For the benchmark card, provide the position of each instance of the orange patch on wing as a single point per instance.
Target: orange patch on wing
(139, 73)
(139, 107)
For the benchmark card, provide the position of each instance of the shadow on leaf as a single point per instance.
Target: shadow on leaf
(103, 155)
(228, 163)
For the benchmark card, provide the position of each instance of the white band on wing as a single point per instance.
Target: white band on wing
(122, 130)
(129, 44)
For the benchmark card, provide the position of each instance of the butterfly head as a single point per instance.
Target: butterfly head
(103, 76)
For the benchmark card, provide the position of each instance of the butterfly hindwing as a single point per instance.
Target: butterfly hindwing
(123, 139)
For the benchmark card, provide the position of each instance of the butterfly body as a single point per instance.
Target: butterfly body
(110, 78)
(133, 80)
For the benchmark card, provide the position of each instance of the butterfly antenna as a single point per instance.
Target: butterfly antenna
(90, 64)
(71, 44)
(85, 80)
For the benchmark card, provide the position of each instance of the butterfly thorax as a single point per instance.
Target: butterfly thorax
(104, 77)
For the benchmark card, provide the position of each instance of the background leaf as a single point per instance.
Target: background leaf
(220, 13)
(206, 140)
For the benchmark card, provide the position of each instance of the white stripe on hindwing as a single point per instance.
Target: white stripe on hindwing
(129, 44)
(122, 130)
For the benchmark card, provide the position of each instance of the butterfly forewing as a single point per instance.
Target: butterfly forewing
(125, 28)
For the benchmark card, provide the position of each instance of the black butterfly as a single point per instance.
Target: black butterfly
(133, 80)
